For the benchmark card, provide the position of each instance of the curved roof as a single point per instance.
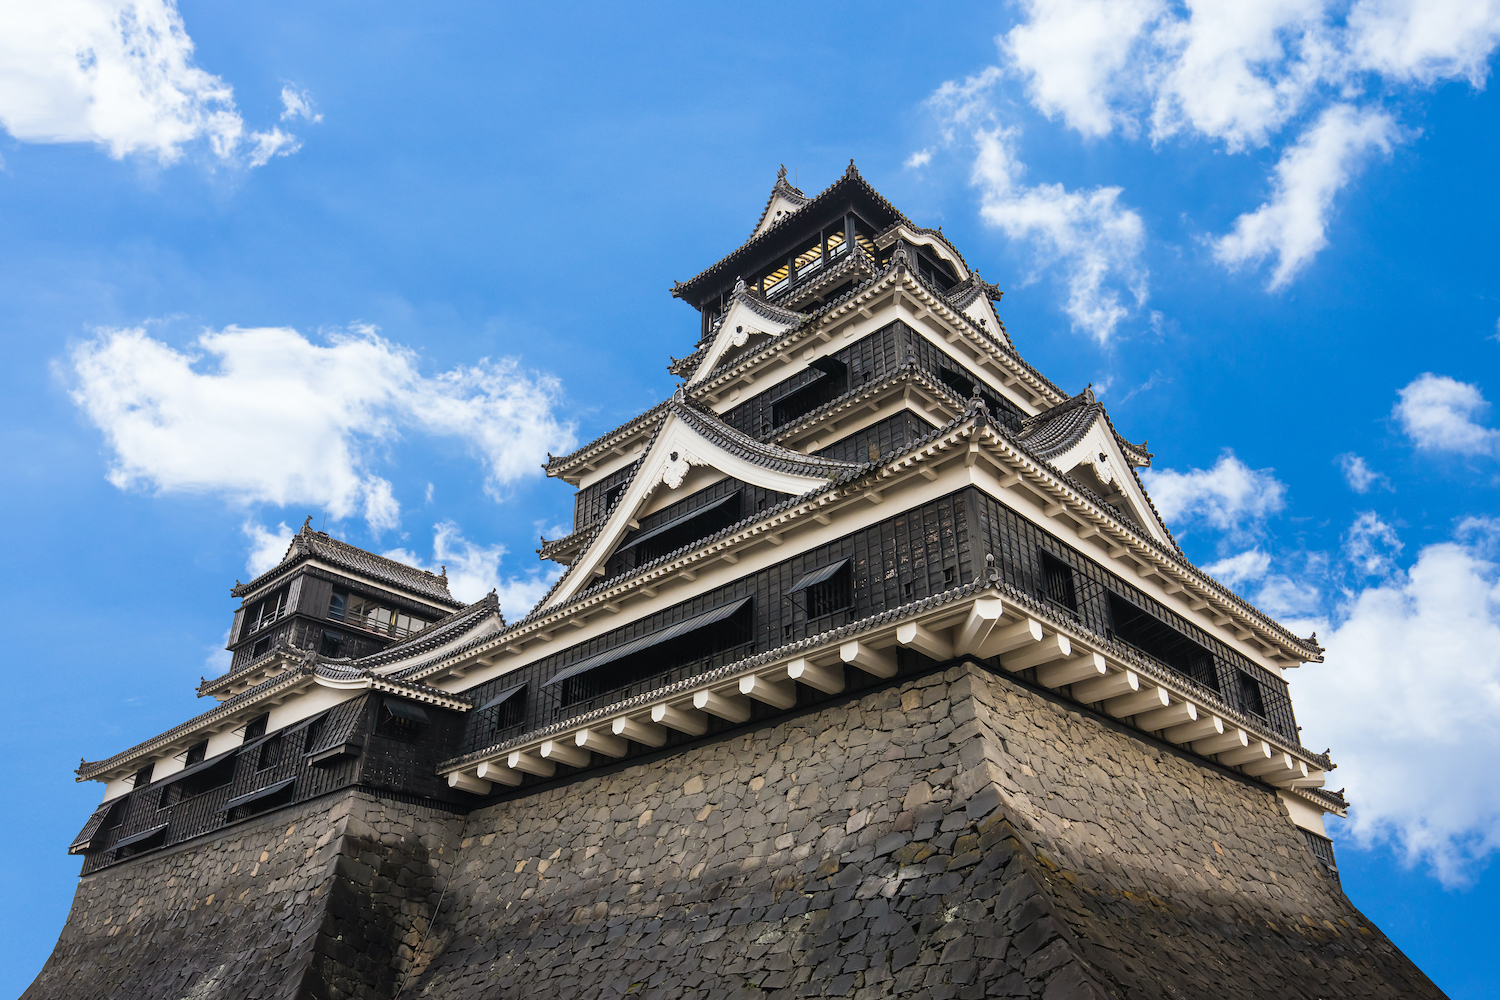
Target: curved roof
(849, 184)
(310, 544)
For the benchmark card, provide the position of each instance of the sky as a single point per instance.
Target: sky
(371, 265)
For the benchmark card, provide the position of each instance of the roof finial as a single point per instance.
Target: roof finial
(852, 171)
(781, 174)
(307, 524)
(444, 573)
(739, 286)
(991, 573)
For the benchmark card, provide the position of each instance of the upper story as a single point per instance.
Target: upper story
(328, 596)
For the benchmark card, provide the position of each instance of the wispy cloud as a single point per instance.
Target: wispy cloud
(1358, 474)
(1292, 225)
(297, 103)
(119, 74)
(474, 570)
(265, 415)
(1088, 236)
(266, 546)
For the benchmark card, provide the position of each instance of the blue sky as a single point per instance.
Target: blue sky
(371, 265)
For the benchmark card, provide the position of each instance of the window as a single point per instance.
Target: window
(685, 646)
(143, 776)
(1251, 698)
(675, 532)
(1157, 639)
(401, 720)
(367, 613)
(935, 270)
(256, 727)
(314, 732)
(831, 384)
(269, 755)
(259, 649)
(504, 711)
(264, 612)
(826, 590)
(332, 644)
(1057, 583)
(964, 384)
(200, 780)
(196, 753)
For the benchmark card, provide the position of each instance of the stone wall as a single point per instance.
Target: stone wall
(956, 836)
(953, 835)
(325, 899)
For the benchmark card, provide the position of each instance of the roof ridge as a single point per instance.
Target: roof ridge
(308, 544)
(851, 175)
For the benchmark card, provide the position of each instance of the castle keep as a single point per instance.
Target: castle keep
(873, 672)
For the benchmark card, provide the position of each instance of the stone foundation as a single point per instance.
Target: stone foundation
(959, 835)
(325, 899)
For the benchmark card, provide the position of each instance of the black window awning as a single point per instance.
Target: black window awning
(202, 765)
(678, 522)
(817, 576)
(406, 710)
(656, 638)
(91, 828)
(136, 838)
(502, 697)
(247, 747)
(257, 795)
(304, 723)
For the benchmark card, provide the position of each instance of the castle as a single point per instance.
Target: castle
(872, 672)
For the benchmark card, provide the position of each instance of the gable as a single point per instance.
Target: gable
(1096, 460)
(677, 449)
(743, 321)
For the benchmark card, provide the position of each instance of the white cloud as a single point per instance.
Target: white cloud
(1231, 497)
(1245, 74)
(1409, 699)
(1072, 54)
(266, 547)
(1425, 41)
(1358, 474)
(1246, 567)
(1088, 234)
(297, 103)
(1441, 414)
(120, 74)
(1238, 71)
(1292, 225)
(918, 160)
(474, 570)
(265, 415)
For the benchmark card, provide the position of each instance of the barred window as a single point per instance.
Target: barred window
(1251, 698)
(1057, 583)
(256, 728)
(270, 754)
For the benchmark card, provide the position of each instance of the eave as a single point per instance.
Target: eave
(850, 183)
(242, 707)
(967, 621)
(896, 283)
(621, 441)
(247, 706)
